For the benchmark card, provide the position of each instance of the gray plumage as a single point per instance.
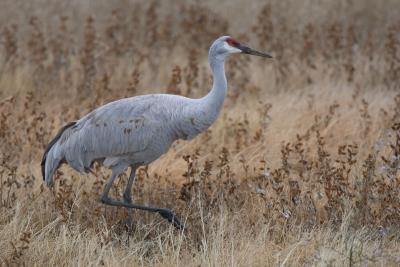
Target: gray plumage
(135, 131)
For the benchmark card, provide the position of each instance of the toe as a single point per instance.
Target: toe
(171, 217)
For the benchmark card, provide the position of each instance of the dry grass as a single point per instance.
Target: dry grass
(301, 168)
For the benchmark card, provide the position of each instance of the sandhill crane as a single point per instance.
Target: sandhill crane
(135, 131)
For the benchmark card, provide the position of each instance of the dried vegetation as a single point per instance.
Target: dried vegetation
(302, 167)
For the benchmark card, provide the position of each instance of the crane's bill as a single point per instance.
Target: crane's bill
(251, 51)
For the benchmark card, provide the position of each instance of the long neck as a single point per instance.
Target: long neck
(204, 111)
(215, 98)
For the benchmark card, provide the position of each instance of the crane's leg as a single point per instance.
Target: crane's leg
(104, 197)
(165, 213)
(128, 189)
(128, 195)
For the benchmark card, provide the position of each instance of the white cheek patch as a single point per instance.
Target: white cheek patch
(231, 49)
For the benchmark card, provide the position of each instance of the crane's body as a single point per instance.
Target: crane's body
(135, 131)
(130, 131)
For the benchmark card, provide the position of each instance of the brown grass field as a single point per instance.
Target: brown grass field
(302, 168)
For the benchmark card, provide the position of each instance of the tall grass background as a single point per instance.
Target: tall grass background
(301, 168)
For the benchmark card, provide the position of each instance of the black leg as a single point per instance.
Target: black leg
(128, 198)
(165, 213)
(128, 190)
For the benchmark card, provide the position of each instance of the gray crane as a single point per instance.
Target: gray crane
(135, 131)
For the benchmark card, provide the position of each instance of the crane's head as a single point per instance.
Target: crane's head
(226, 45)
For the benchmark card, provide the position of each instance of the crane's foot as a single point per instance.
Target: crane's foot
(171, 217)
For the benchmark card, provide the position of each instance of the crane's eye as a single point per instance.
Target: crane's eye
(232, 42)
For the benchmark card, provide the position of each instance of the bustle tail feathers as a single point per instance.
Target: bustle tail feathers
(50, 162)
